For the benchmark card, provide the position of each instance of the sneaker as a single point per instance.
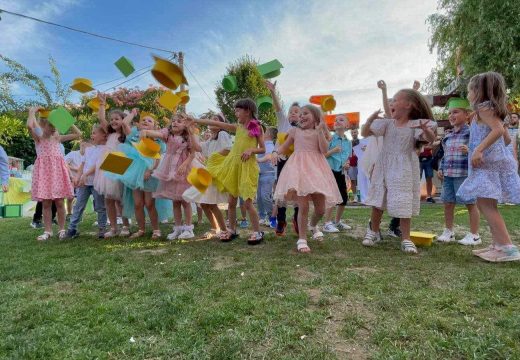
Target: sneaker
(272, 222)
(330, 228)
(430, 200)
(483, 250)
(264, 222)
(343, 226)
(244, 224)
(101, 234)
(110, 234)
(119, 221)
(71, 234)
(446, 236)
(502, 254)
(408, 246)
(187, 232)
(280, 228)
(36, 225)
(124, 231)
(470, 239)
(371, 238)
(394, 233)
(177, 230)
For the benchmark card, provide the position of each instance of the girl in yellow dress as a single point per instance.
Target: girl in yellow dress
(237, 172)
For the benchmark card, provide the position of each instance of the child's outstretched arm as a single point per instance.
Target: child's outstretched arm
(127, 121)
(32, 125)
(272, 89)
(323, 141)
(101, 112)
(76, 134)
(221, 125)
(152, 134)
(386, 105)
(365, 129)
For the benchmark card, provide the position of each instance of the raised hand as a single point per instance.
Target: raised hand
(375, 115)
(271, 86)
(416, 85)
(102, 98)
(381, 84)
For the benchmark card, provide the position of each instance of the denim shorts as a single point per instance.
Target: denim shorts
(426, 166)
(450, 186)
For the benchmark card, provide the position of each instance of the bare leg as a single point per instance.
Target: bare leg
(110, 205)
(474, 218)
(488, 208)
(47, 215)
(319, 208)
(449, 211)
(177, 212)
(187, 212)
(340, 209)
(375, 219)
(253, 215)
(429, 186)
(405, 228)
(149, 202)
(232, 209)
(328, 214)
(303, 216)
(60, 212)
(139, 209)
(208, 210)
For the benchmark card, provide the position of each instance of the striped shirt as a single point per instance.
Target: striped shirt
(455, 162)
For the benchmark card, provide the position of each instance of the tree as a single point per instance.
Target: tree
(479, 36)
(250, 85)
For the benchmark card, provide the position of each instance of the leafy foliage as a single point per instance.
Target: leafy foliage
(250, 85)
(480, 35)
(15, 138)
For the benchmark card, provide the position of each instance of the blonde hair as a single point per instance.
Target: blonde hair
(420, 107)
(490, 86)
(316, 113)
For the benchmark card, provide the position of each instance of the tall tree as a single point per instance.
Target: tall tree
(479, 35)
(250, 85)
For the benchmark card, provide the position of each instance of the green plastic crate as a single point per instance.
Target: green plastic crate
(11, 211)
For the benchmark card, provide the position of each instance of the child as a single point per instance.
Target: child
(219, 142)
(237, 173)
(307, 176)
(73, 160)
(50, 180)
(285, 123)
(492, 175)
(111, 189)
(4, 170)
(264, 196)
(85, 185)
(453, 170)
(394, 182)
(353, 164)
(181, 145)
(340, 149)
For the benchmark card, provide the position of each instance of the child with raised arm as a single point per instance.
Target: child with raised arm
(50, 180)
(394, 182)
(181, 146)
(237, 172)
(492, 174)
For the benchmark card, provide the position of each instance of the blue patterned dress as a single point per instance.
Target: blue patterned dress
(497, 177)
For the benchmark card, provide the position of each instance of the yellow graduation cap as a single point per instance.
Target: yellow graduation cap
(200, 179)
(44, 113)
(148, 148)
(421, 238)
(168, 74)
(184, 95)
(169, 100)
(82, 85)
(270, 69)
(116, 162)
(94, 104)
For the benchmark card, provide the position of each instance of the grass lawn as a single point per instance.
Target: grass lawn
(121, 299)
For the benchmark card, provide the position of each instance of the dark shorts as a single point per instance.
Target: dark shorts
(426, 166)
(342, 186)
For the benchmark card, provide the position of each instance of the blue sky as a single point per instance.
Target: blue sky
(330, 46)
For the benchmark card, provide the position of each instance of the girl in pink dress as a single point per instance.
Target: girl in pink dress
(50, 179)
(307, 177)
(181, 146)
(110, 188)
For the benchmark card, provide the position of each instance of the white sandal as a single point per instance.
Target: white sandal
(302, 246)
(62, 234)
(408, 246)
(316, 233)
(137, 234)
(156, 234)
(45, 236)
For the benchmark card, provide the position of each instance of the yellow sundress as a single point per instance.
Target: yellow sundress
(231, 174)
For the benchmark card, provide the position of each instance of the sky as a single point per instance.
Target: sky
(338, 47)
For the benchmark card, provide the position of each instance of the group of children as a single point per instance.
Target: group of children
(305, 167)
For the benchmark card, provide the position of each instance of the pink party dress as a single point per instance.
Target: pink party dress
(171, 183)
(50, 178)
(307, 171)
(103, 184)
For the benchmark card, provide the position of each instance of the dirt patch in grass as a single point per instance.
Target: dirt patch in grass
(314, 295)
(303, 275)
(224, 262)
(152, 251)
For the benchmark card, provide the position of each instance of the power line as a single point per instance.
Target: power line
(86, 32)
(198, 83)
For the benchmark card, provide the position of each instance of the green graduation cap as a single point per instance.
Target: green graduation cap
(264, 103)
(229, 83)
(61, 119)
(125, 66)
(270, 69)
(458, 103)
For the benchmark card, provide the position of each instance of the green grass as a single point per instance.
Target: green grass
(86, 298)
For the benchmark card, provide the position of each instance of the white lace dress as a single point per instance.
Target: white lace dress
(395, 180)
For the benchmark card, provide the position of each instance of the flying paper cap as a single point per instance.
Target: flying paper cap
(116, 162)
(94, 104)
(184, 96)
(82, 85)
(270, 69)
(326, 102)
(44, 113)
(167, 73)
(200, 179)
(264, 103)
(229, 83)
(352, 118)
(61, 119)
(148, 148)
(169, 100)
(458, 103)
(125, 66)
